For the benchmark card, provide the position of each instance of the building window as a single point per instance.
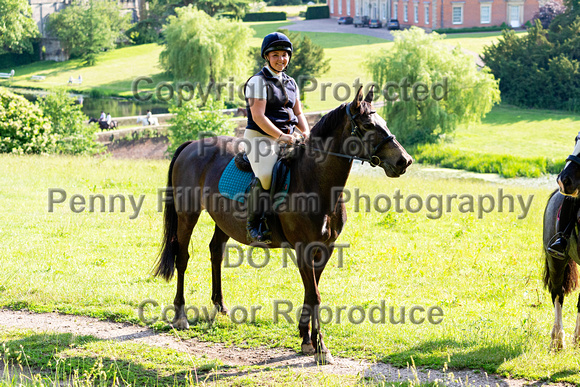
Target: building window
(331, 3)
(427, 14)
(405, 12)
(485, 13)
(395, 11)
(416, 12)
(458, 14)
(348, 7)
(340, 7)
(383, 10)
(357, 8)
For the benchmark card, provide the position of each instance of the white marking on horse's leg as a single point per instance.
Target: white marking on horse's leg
(577, 331)
(558, 328)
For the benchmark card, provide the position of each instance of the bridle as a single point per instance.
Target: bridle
(356, 131)
(574, 158)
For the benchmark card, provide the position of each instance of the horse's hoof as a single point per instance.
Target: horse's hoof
(324, 358)
(181, 324)
(308, 349)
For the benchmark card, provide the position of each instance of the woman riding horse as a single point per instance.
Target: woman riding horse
(273, 110)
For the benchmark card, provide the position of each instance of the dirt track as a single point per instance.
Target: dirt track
(237, 357)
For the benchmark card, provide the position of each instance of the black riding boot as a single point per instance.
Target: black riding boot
(258, 207)
(565, 226)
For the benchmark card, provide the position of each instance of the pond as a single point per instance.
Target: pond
(118, 107)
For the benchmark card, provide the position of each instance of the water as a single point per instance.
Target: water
(117, 107)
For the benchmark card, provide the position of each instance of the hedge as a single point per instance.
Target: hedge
(317, 12)
(264, 16)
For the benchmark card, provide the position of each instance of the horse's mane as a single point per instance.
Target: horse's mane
(331, 120)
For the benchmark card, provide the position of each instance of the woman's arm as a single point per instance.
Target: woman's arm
(258, 109)
(302, 122)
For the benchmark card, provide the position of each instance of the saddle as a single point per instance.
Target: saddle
(280, 174)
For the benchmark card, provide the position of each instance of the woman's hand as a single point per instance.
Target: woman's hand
(286, 139)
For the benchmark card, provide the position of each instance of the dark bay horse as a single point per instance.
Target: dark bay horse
(561, 275)
(195, 171)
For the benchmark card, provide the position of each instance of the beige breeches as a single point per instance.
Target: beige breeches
(262, 153)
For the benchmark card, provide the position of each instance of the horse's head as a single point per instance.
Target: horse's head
(569, 178)
(378, 143)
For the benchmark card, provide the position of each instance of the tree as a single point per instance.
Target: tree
(430, 88)
(88, 28)
(202, 49)
(17, 28)
(190, 121)
(73, 135)
(548, 11)
(542, 68)
(23, 128)
(213, 7)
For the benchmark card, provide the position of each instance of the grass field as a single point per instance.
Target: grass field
(484, 273)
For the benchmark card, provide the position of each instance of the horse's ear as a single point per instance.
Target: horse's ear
(370, 95)
(357, 100)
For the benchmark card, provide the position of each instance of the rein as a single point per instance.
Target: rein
(372, 158)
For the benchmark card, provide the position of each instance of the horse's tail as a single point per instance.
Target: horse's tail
(165, 266)
(571, 279)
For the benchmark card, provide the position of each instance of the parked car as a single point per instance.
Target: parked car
(393, 24)
(375, 23)
(345, 20)
(362, 21)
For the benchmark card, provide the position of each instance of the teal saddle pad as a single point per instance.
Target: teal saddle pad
(234, 184)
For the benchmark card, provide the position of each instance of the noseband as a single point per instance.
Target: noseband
(372, 158)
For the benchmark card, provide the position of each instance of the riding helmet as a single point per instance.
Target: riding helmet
(276, 41)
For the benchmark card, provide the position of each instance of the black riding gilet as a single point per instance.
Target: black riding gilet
(281, 98)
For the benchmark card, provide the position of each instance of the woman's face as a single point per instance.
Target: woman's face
(278, 60)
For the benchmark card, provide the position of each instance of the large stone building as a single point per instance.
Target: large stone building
(432, 14)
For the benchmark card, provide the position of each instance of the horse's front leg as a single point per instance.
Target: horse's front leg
(558, 335)
(185, 226)
(311, 262)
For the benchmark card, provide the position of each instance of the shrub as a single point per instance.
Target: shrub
(505, 165)
(23, 128)
(317, 12)
(73, 135)
(191, 120)
(264, 16)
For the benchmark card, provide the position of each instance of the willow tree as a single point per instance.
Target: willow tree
(202, 49)
(429, 88)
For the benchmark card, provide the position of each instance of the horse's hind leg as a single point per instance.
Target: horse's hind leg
(185, 225)
(217, 248)
(558, 335)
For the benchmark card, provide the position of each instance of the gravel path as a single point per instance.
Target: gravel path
(236, 357)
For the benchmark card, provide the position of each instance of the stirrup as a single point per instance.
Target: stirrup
(561, 255)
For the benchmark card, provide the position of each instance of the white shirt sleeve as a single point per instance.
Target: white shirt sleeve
(256, 88)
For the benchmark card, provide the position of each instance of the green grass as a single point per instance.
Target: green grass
(475, 42)
(510, 141)
(47, 359)
(484, 273)
(113, 74)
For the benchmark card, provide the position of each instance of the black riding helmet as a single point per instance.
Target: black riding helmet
(276, 41)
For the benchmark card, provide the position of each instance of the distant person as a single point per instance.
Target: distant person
(149, 117)
(109, 119)
(103, 117)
